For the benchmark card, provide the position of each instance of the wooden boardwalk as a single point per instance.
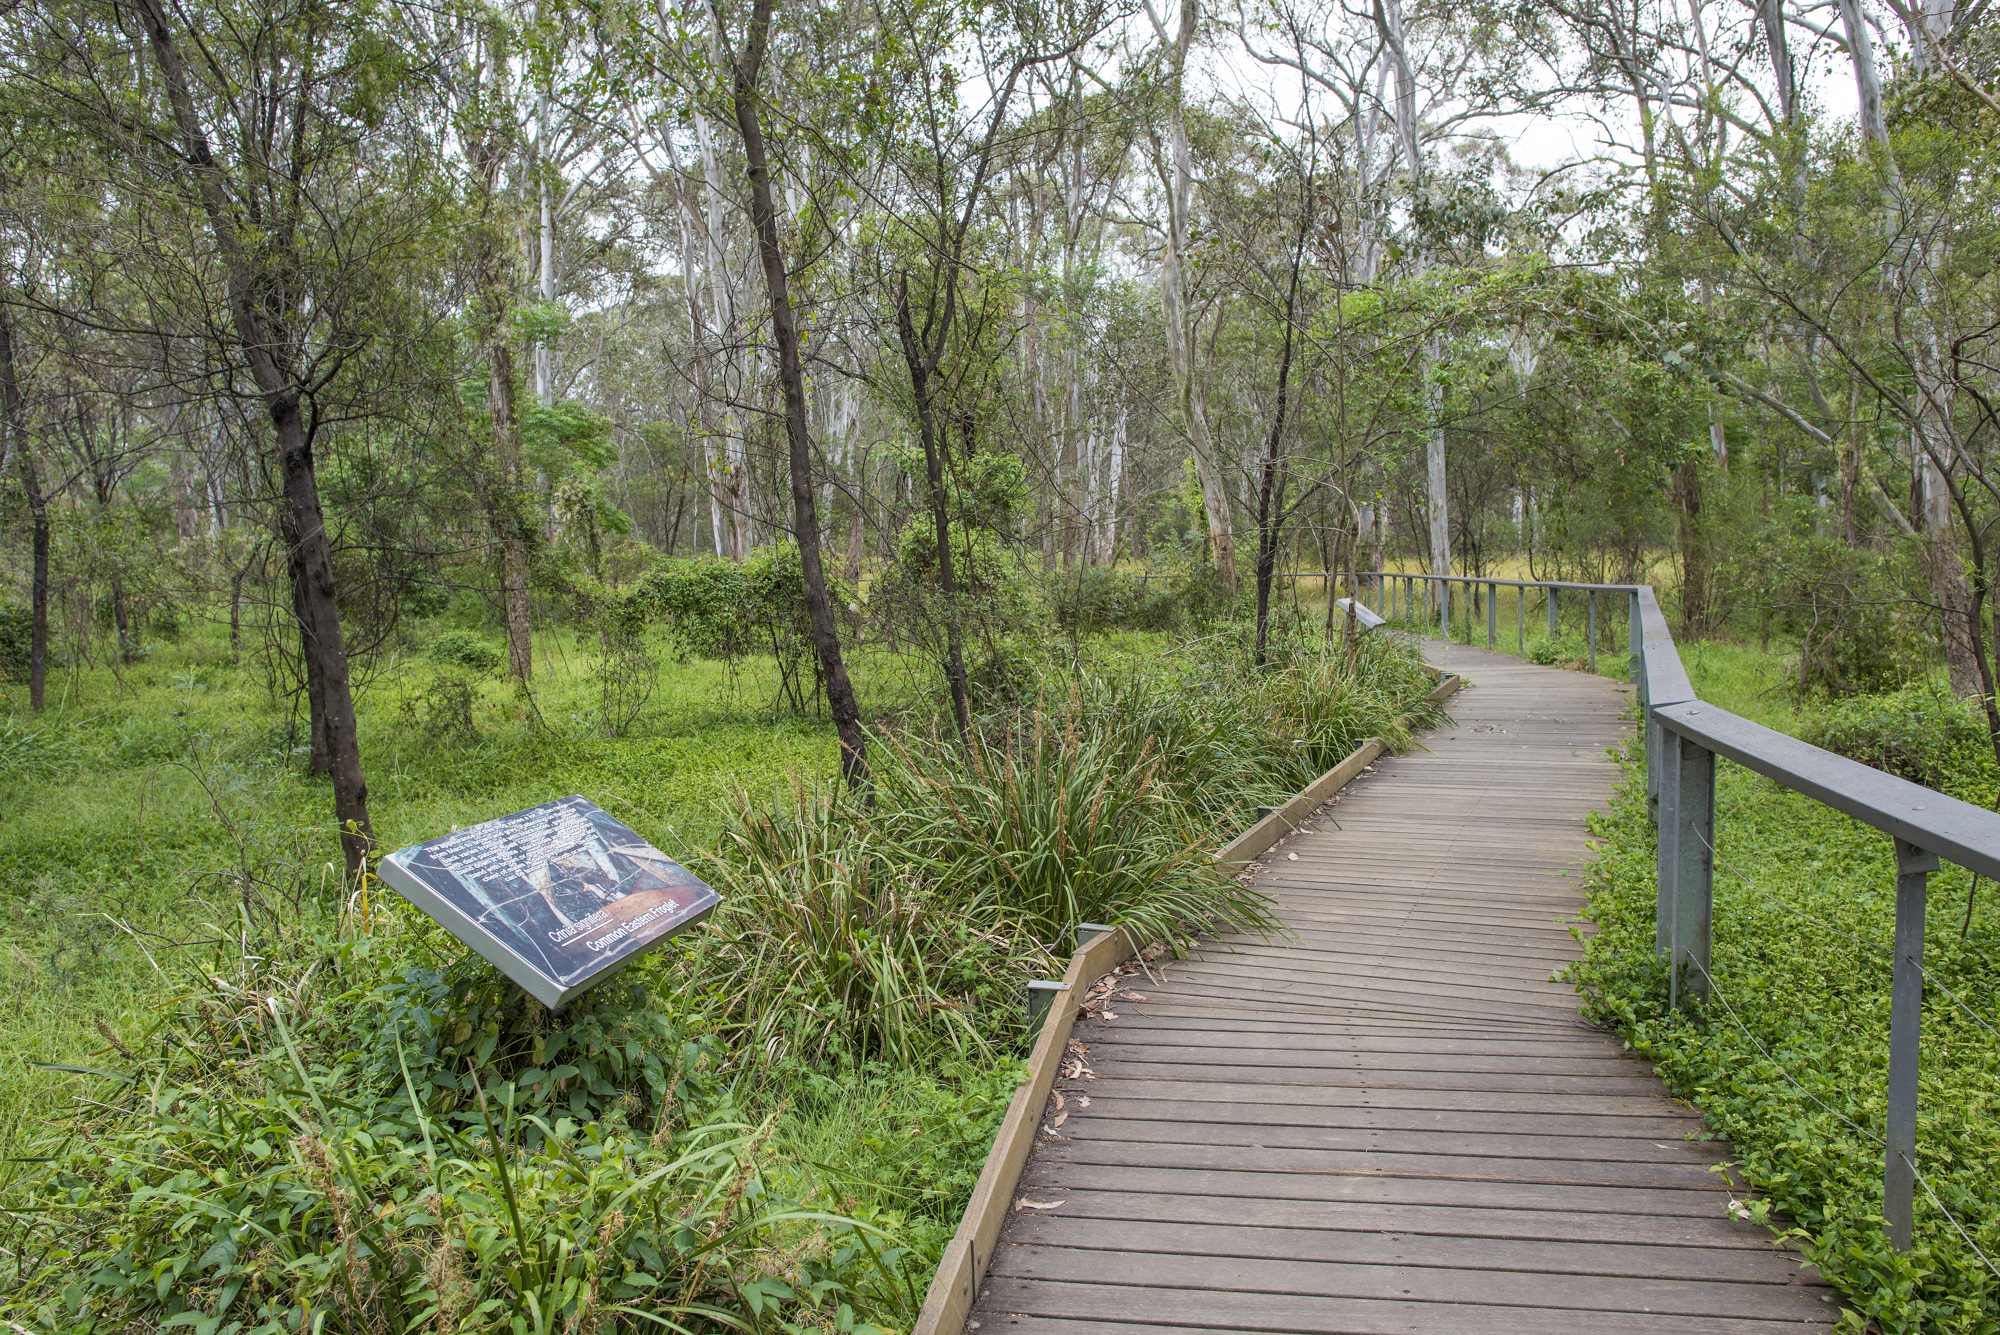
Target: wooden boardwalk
(1396, 1121)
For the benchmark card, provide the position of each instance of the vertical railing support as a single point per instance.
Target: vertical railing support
(1593, 630)
(1521, 621)
(1686, 864)
(1492, 611)
(1906, 1010)
(1443, 607)
(1634, 640)
(1552, 612)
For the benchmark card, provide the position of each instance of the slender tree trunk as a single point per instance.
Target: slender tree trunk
(1694, 551)
(319, 758)
(505, 498)
(1272, 477)
(38, 512)
(319, 600)
(792, 380)
(1177, 176)
(927, 430)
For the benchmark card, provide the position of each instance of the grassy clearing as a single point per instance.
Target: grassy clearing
(1790, 1060)
(160, 802)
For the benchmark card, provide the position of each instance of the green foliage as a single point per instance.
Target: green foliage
(28, 752)
(916, 1139)
(259, 1168)
(441, 714)
(1922, 733)
(1565, 650)
(566, 439)
(1093, 599)
(1788, 1060)
(465, 649)
(1231, 739)
(728, 611)
(836, 938)
(1857, 615)
(17, 629)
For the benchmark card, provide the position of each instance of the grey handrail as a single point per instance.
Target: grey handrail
(1683, 735)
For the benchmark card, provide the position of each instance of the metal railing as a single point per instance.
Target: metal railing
(1683, 737)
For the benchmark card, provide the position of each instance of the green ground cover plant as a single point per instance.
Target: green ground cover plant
(1789, 1057)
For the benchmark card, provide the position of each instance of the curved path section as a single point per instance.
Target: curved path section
(1395, 1121)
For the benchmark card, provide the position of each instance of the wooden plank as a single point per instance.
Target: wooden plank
(1665, 1233)
(1240, 1276)
(1388, 1099)
(1515, 1169)
(1099, 1305)
(1702, 1201)
(1437, 1143)
(1338, 1055)
(1115, 1104)
(1396, 1247)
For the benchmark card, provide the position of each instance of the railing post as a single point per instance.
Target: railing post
(1634, 639)
(1444, 607)
(1552, 611)
(1593, 630)
(1635, 645)
(1906, 1008)
(1492, 612)
(1686, 863)
(1521, 621)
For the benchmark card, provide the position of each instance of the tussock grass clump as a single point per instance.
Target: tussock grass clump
(902, 921)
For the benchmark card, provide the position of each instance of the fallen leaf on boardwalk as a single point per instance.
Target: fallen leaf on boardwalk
(1131, 996)
(1060, 1118)
(1291, 857)
(1082, 1102)
(1057, 1096)
(1025, 1204)
(1108, 1015)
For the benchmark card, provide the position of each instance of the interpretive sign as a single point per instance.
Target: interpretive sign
(558, 897)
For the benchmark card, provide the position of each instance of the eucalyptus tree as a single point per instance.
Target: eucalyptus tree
(1172, 164)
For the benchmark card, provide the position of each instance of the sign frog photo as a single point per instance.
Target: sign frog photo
(558, 897)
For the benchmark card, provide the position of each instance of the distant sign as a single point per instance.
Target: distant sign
(558, 897)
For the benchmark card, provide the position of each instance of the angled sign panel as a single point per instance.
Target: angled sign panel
(558, 897)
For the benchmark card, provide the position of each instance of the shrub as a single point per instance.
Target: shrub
(995, 599)
(1922, 733)
(1568, 649)
(721, 610)
(1094, 599)
(625, 675)
(464, 649)
(441, 714)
